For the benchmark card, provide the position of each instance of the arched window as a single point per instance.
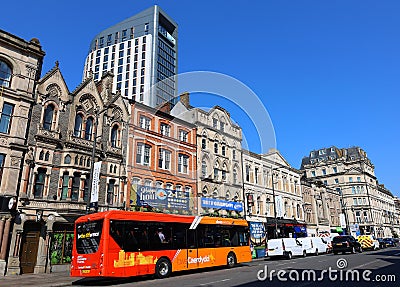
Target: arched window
(48, 117)
(78, 125)
(67, 159)
(115, 136)
(5, 74)
(298, 211)
(235, 176)
(47, 156)
(41, 155)
(111, 168)
(215, 193)
(88, 129)
(203, 168)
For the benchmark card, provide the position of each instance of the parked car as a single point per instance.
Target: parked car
(389, 242)
(382, 243)
(286, 247)
(345, 243)
(368, 242)
(314, 245)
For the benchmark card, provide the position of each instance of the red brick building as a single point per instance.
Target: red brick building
(161, 164)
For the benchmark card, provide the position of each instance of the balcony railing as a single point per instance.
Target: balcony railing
(47, 133)
(81, 141)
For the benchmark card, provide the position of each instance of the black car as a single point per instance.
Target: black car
(382, 243)
(389, 242)
(345, 243)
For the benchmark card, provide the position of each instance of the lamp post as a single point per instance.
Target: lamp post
(95, 124)
(274, 201)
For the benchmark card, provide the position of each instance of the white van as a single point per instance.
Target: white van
(313, 245)
(286, 247)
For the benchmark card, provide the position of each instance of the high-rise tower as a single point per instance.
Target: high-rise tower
(141, 52)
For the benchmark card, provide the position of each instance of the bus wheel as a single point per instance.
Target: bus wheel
(163, 268)
(231, 260)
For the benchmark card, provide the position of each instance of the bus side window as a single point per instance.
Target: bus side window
(191, 238)
(235, 238)
(179, 236)
(117, 232)
(131, 237)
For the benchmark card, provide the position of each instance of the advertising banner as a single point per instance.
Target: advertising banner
(94, 195)
(160, 198)
(221, 204)
(257, 232)
(279, 206)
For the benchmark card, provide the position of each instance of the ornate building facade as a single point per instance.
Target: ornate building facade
(219, 168)
(349, 171)
(322, 208)
(68, 133)
(273, 194)
(20, 68)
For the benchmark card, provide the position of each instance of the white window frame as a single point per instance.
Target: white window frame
(143, 152)
(165, 129)
(144, 122)
(183, 135)
(165, 158)
(183, 163)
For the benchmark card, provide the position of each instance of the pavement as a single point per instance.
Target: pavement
(55, 279)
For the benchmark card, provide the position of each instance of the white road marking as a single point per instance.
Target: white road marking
(362, 265)
(223, 280)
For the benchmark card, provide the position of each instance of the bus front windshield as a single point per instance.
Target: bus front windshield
(88, 236)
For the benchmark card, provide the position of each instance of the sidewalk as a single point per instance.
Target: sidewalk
(55, 279)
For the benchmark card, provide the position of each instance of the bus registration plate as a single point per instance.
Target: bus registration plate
(86, 271)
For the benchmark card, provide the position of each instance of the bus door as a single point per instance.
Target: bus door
(192, 254)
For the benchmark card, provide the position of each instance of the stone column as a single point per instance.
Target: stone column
(4, 244)
(13, 260)
(2, 221)
(42, 255)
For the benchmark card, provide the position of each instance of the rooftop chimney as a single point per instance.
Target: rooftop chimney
(185, 99)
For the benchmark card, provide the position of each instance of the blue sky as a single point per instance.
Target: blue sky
(326, 71)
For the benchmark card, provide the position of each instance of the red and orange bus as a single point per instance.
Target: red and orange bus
(125, 243)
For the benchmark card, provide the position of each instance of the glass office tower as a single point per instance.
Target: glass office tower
(141, 52)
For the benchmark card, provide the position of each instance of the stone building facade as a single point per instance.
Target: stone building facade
(20, 68)
(351, 173)
(55, 185)
(161, 161)
(273, 194)
(219, 168)
(322, 208)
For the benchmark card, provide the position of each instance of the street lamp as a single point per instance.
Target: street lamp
(274, 201)
(95, 124)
